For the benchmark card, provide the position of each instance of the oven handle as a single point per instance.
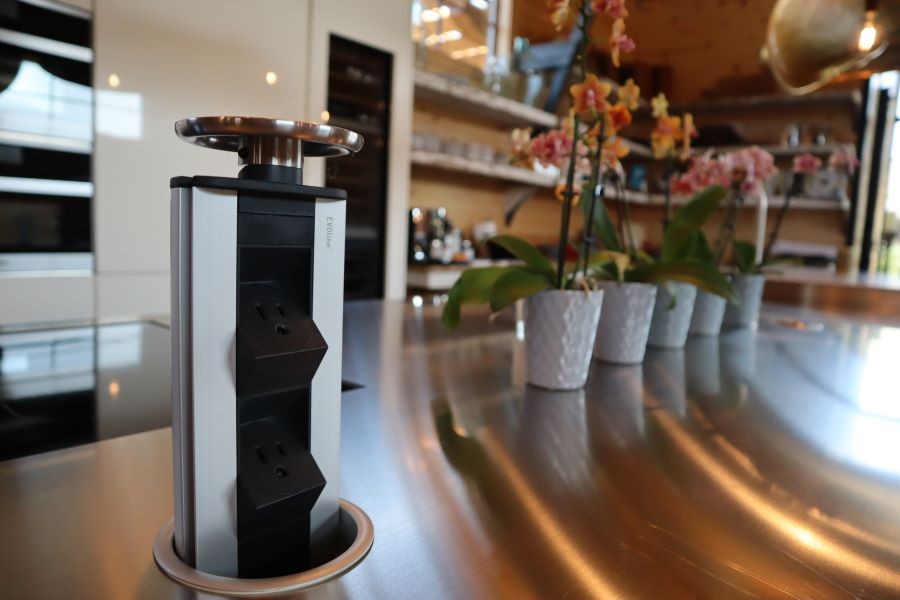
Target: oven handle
(46, 46)
(46, 187)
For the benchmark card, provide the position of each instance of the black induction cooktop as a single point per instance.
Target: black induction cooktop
(68, 386)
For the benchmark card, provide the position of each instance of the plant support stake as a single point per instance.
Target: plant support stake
(567, 207)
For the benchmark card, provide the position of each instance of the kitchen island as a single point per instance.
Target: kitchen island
(760, 464)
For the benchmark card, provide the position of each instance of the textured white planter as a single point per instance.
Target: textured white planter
(669, 328)
(750, 291)
(625, 322)
(709, 310)
(560, 326)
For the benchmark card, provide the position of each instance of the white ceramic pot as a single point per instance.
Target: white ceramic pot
(669, 328)
(709, 310)
(625, 322)
(750, 290)
(560, 326)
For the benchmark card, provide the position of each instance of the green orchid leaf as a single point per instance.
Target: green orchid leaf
(704, 276)
(688, 220)
(527, 253)
(745, 256)
(610, 265)
(697, 247)
(472, 287)
(604, 229)
(645, 258)
(515, 284)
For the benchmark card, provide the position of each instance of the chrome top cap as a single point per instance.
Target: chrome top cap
(240, 134)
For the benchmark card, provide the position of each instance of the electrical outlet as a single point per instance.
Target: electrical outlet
(275, 467)
(279, 346)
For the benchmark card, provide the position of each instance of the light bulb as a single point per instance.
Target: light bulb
(113, 80)
(868, 33)
(271, 77)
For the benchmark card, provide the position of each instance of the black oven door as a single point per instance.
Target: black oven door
(46, 137)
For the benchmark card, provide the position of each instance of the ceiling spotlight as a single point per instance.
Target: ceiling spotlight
(433, 15)
(469, 52)
(869, 33)
(113, 80)
(442, 38)
(271, 77)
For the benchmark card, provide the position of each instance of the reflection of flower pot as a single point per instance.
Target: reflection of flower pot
(560, 326)
(749, 290)
(625, 323)
(709, 310)
(702, 366)
(664, 380)
(738, 354)
(616, 395)
(669, 328)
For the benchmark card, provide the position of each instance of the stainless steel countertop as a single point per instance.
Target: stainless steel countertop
(756, 465)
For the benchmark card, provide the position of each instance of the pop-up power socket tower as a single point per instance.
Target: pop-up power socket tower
(257, 309)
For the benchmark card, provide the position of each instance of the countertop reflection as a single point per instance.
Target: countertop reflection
(760, 464)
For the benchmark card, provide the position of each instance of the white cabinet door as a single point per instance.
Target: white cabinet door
(173, 59)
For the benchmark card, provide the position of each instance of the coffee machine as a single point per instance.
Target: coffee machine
(257, 309)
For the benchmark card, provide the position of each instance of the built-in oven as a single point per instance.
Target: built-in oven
(46, 136)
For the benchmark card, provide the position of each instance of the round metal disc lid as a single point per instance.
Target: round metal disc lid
(232, 133)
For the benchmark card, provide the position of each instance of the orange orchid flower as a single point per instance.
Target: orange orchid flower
(590, 96)
(618, 117)
(560, 13)
(688, 132)
(660, 105)
(619, 42)
(613, 150)
(666, 133)
(629, 94)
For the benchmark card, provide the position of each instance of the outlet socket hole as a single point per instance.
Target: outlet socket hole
(281, 472)
(279, 447)
(260, 454)
(281, 329)
(259, 311)
(281, 310)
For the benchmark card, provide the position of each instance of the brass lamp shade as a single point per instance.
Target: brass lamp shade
(812, 42)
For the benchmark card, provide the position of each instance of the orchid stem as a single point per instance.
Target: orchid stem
(773, 237)
(667, 194)
(726, 229)
(627, 216)
(567, 208)
(595, 182)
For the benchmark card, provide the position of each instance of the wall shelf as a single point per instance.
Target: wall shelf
(775, 202)
(841, 98)
(461, 164)
(450, 93)
(778, 150)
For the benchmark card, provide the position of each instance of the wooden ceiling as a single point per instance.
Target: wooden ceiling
(711, 46)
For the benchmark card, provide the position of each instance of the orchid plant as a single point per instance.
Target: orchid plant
(586, 142)
(671, 142)
(741, 171)
(585, 148)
